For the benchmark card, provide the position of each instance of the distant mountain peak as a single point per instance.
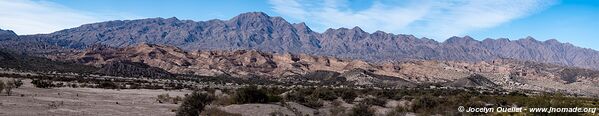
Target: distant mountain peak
(456, 39)
(357, 29)
(529, 38)
(260, 15)
(173, 19)
(468, 37)
(7, 34)
(379, 32)
(259, 20)
(504, 39)
(552, 41)
(302, 27)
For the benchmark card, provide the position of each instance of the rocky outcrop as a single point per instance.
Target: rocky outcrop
(240, 63)
(303, 68)
(12, 60)
(474, 81)
(133, 69)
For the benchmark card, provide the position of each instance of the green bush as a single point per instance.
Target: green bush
(176, 100)
(250, 95)
(194, 104)
(337, 109)
(9, 86)
(348, 95)
(274, 98)
(375, 101)
(42, 83)
(1, 86)
(424, 103)
(108, 85)
(312, 102)
(361, 110)
(325, 94)
(163, 98)
(18, 83)
(305, 98)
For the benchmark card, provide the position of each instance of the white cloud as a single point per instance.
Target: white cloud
(290, 7)
(438, 19)
(34, 17)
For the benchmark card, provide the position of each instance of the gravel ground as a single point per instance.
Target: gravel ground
(65, 101)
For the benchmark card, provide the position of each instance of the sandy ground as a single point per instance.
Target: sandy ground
(257, 109)
(30, 101)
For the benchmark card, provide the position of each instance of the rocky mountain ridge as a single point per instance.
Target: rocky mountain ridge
(258, 31)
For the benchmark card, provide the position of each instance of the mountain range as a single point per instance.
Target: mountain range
(161, 61)
(258, 31)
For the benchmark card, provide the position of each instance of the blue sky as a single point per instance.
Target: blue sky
(572, 21)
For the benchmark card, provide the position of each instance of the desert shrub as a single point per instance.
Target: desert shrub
(166, 98)
(398, 111)
(73, 85)
(174, 86)
(361, 110)
(152, 86)
(348, 95)
(249, 95)
(273, 93)
(424, 103)
(304, 98)
(325, 94)
(108, 85)
(163, 98)
(337, 109)
(223, 100)
(375, 101)
(134, 86)
(177, 99)
(60, 84)
(312, 102)
(9, 86)
(1, 86)
(18, 83)
(42, 83)
(194, 104)
(274, 98)
(394, 94)
(55, 104)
